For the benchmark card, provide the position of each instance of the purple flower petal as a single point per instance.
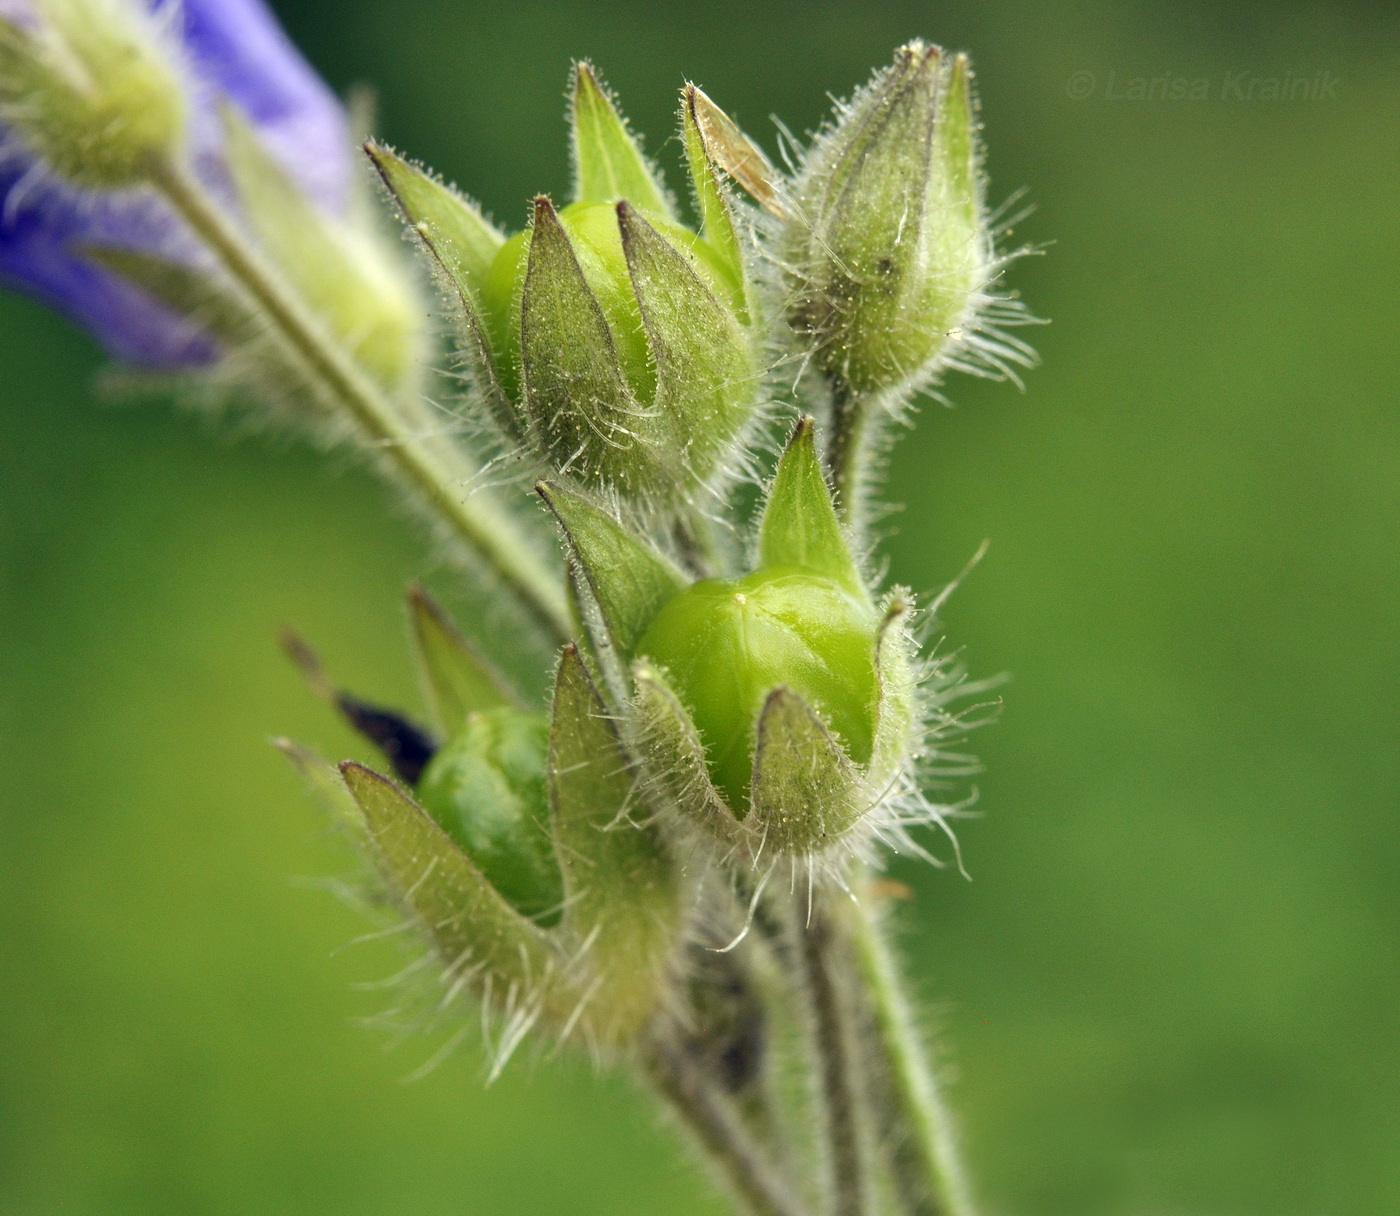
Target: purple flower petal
(237, 47)
(42, 224)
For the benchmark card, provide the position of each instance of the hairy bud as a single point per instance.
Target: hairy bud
(89, 87)
(890, 248)
(772, 709)
(781, 680)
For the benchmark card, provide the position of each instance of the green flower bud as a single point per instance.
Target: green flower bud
(890, 249)
(486, 789)
(619, 342)
(91, 90)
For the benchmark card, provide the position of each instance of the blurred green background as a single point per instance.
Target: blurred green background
(1172, 987)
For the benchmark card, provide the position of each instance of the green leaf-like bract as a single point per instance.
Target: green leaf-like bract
(621, 892)
(800, 527)
(608, 164)
(630, 580)
(716, 211)
(468, 922)
(462, 245)
(704, 372)
(579, 402)
(665, 737)
(806, 792)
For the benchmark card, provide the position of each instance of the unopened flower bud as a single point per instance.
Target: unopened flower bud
(89, 87)
(486, 789)
(889, 248)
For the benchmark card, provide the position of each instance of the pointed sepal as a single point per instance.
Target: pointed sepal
(462, 240)
(800, 527)
(716, 210)
(705, 374)
(621, 891)
(663, 734)
(956, 132)
(629, 580)
(462, 244)
(608, 163)
(896, 707)
(576, 393)
(479, 937)
(807, 793)
(725, 145)
(456, 679)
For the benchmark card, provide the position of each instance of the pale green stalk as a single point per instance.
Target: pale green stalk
(822, 951)
(718, 1131)
(917, 1127)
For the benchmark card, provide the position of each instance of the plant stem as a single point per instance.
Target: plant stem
(487, 530)
(822, 951)
(718, 1130)
(918, 1130)
(847, 448)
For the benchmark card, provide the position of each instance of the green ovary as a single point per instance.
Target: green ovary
(727, 643)
(486, 789)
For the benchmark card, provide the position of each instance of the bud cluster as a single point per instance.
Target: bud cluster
(734, 696)
(715, 719)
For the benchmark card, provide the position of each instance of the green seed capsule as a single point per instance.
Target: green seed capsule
(726, 644)
(617, 344)
(593, 232)
(486, 789)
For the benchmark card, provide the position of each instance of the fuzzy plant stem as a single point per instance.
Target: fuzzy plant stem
(487, 530)
(823, 955)
(916, 1126)
(719, 1132)
(848, 448)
